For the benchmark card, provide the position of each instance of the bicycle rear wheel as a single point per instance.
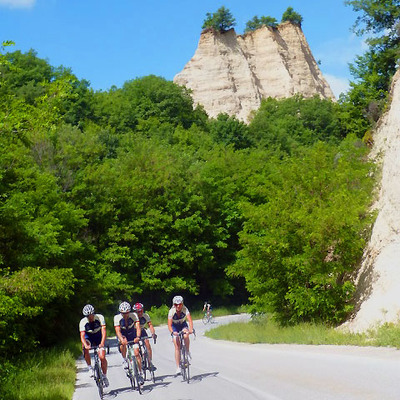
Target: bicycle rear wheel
(151, 372)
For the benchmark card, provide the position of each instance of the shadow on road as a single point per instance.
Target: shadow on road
(200, 377)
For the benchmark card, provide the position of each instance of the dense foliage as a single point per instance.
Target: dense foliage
(222, 20)
(372, 71)
(134, 194)
(292, 16)
(257, 23)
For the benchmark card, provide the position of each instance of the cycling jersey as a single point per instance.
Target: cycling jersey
(92, 329)
(143, 321)
(178, 321)
(128, 328)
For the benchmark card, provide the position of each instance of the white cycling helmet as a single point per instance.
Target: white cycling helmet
(177, 300)
(88, 310)
(124, 307)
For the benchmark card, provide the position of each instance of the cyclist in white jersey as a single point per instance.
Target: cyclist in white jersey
(178, 318)
(92, 328)
(127, 329)
(145, 321)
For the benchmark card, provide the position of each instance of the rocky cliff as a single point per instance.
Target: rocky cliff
(378, 282)
(231, 73)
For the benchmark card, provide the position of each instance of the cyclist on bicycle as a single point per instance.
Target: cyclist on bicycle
(92, 328)
(207, 308)
(177, 317)
(145, 320)
(127, 328)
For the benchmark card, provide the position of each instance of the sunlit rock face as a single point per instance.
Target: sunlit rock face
(231, 73)
(378, 280)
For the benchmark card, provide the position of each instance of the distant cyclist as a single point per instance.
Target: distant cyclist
(177, 317)
(145, 322)
(207, 308)
(127, 328)
(92, 328)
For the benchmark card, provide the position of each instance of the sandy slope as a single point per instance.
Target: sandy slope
(378, 282)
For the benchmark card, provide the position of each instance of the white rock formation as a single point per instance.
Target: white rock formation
(378, 282)
(231, 74)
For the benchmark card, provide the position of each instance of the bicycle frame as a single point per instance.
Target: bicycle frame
(98, 373)
(133, 371)
(208, 317)
(147, 365)
(184, 360)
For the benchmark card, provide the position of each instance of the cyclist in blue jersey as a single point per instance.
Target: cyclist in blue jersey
(92, 328)
(178, 318)
(127, 328)
(145, 321)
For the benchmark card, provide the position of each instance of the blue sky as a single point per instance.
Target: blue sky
(109, 42)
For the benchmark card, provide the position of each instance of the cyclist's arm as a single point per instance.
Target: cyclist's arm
(151, 327)
(170, 325)
(103, 335)
(121, 338)
(138, 331)
(83, 340)
(189, 318)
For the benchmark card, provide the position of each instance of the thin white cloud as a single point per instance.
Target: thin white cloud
(17, 3)
(337, 84)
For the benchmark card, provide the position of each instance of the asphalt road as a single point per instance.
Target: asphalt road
(234, 371)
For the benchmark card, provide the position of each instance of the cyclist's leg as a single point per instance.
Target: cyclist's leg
(123, 348)
(138, 358)
(86, 355)
(186, 338)
(149, 349)
(102, 353)
(177, 345)
(103, 360)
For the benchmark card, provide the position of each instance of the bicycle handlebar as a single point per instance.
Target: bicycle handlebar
(143, 338)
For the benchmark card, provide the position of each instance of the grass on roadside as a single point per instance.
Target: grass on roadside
(266, 330)
(48, 374)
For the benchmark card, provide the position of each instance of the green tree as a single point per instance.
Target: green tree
(257, 23)
(221, 21)
(305, 235)
(229, 131)
(288, 123)
(373, 70)
(292, 16)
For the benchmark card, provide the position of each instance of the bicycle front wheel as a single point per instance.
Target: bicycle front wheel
(145, 365)
(136, 376)
(205, 320)
(98, 377)
(131, 374)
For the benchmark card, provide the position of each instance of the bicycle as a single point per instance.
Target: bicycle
(97, 372)
(147, 365)
(133, 368)
(184, 359)
(208, 318)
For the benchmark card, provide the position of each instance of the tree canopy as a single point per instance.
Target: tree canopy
(257, 23)
(135, 194)
(292, 16)
(222, 20)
